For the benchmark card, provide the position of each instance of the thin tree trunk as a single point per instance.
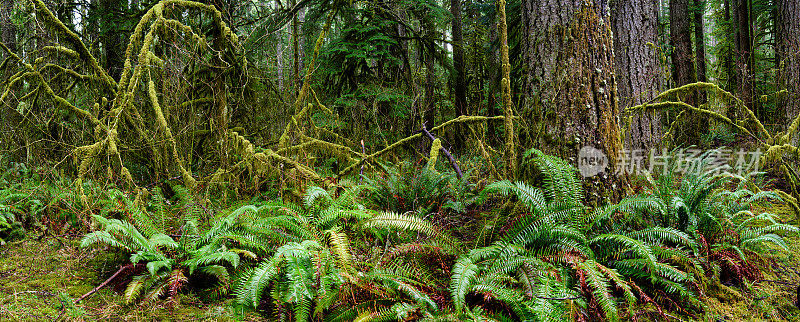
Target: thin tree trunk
(570, 87)
(279, 52)
(788, 53)
(727, 51)
(428, 48)
(113, 49)
(683, 66)
(460, 79)
(635, 26)
(509, 154)
(700, 46)
(279, 59)
(295, 52)
(744, 52)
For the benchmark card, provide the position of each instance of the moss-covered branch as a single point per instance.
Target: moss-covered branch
(409, 139)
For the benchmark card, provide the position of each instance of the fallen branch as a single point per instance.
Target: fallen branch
(109, 280)
(447, 154)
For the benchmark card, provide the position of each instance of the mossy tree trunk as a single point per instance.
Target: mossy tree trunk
(788, 54)
(112, 35)
(570, 87)
(493, 78)
(460, 77)
(8, 31)
(638, 70)
(427, 48)
(727, 50)
(8, 119)
(700, 45)
(683, 69)
(509, 153)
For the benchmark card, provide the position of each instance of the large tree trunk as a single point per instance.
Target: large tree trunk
(570, 87)
(635, 26)
(683, 71)
(8, 31)
(700, 46)
(727, 51)
(788, 54)
(460, 78)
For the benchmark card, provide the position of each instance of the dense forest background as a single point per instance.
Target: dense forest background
(76, 82)
(406, 159)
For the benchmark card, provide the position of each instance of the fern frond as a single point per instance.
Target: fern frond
(340, 244)
(599, 286)
(464, 272)
(407, 222)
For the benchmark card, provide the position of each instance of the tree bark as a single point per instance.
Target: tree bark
(279, 59)
(509, 154)
(743, 55)
(727, 50)
(683, 71)
(570, 87)
(460, 78)
(700, 46)
(428, 48)
(279, 52)
(788, 54)
(635, 26)
(7, 27)
(295, 52)
(111, 36)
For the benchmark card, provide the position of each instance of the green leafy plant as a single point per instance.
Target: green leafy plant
(408, 188)
(170, 266)
(315, 266)
(10, 229)
(714, 209)
(558, 252)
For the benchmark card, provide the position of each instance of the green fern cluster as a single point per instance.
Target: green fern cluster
(40, 200)
(169, 265)
(561, 260)
(10, 228)
(716, 211)
(315, 272)
(406, 188)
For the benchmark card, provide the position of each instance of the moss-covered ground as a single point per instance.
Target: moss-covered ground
(40, 279)
(771, 299)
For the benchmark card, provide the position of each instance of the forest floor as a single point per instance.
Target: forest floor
(773, 297)
(40, 278)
